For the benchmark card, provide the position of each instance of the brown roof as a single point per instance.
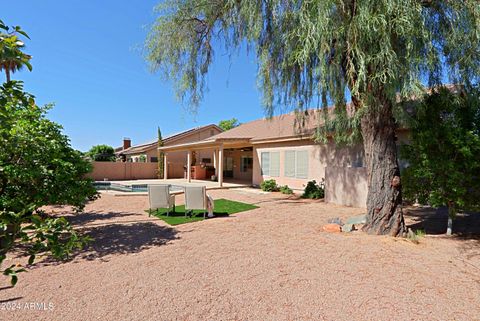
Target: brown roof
(277, 127)
(138, 148)
(167, 140)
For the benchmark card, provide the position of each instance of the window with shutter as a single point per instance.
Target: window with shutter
(289, 170)
(265, 158)
(302, 164)
(275, 164)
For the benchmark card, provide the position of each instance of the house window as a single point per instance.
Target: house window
(302, 164)
(275, 164)
(296, 164)
(270, 164)
(265, 158)
(289, 163)
(154, 159)
(246, 163)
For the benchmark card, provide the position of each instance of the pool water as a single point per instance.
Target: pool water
(109, 186)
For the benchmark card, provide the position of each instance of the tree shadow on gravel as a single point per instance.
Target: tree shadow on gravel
(87, 217)
(119, 239)
(434, 222)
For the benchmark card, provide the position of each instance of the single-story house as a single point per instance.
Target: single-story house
(148, 152)
(277, 148)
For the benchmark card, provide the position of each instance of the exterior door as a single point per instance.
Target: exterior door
(228, 171)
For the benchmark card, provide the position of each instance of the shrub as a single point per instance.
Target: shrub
(38, 167)
(102, 153)
(442, 155)
(286, 190)
(314, 190)
(270, 185)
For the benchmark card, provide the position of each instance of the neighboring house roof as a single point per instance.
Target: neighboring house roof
(170, 139)
(138, 149)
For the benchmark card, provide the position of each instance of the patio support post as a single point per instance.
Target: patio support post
(220, 166)
(165, 166)
(189, 166)
(215, 162)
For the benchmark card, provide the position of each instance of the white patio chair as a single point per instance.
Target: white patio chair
(195, 199)
(159, 197)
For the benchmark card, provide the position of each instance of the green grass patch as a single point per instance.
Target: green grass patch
(223, 208)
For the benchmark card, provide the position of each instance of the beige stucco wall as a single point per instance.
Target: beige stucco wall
(316, 168)
(320, 157)
(122, 171)
(339, 162)
(341, 167)
(346, 186)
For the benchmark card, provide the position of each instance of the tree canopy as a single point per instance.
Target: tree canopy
(315, 53)
(443, 155)
(12, 58)
(311, 53)
(38, 167)
(228, 124)
(160, 155)
(101, 153)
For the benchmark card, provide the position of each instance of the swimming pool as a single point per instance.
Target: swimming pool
(110, 186)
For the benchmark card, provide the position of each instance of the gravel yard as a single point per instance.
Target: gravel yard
(271, 263)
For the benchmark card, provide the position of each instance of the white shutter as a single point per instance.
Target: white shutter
(289, 170)
(275, 164)
(302, 164)
(265, 163)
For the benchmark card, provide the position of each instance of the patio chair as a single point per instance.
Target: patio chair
(159, 197)
(195, 199)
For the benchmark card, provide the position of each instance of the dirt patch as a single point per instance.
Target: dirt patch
(271, 263)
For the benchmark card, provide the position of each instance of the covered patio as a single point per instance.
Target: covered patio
(232, 161)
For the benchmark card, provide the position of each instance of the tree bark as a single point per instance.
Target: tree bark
(7, 73)
(384, 200)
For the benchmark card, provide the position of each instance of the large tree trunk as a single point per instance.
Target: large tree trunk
(384, 200)
(7, 73)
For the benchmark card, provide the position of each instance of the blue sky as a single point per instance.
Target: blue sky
(87, 59)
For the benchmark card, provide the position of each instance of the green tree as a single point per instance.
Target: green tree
(12, 58)
(374, 52)
(443, 155)
(161, 159)
(37, 168)
(228, 124)
(101, 153)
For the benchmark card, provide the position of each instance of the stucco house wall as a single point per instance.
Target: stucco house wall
(316, 168)
(320, 156)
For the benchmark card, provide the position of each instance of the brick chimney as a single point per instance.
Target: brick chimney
(127, 143)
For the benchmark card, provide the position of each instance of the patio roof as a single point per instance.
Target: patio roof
(285, 127)
(208, 143)
(169, 140)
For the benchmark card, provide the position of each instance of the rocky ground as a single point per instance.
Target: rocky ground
(272, 263)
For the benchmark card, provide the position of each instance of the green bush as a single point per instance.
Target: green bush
(286, 190)
(270, 185)
(314, 190)
(101, 153)
(443, 152)
(38, 167)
